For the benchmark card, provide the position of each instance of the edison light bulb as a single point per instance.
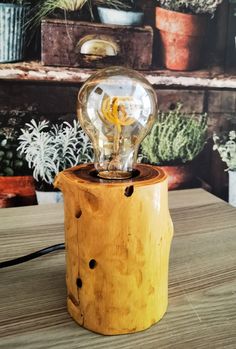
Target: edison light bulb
(116, 108)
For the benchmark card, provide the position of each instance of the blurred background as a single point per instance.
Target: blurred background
(186, 50)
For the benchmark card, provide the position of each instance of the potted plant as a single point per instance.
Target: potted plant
(174, 141)
(226, 146)
(12, 29)
(125, 13)
(182, 26)
(69, 9)
(49, 149)
(16, 181)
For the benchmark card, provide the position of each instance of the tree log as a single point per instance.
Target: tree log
(118, 235)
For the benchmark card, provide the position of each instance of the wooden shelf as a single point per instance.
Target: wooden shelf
(213, 78)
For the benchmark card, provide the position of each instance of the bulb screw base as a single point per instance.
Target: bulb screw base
(115, 175)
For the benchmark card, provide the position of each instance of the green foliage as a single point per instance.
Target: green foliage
(45, 8)
(226, 146)
(175, 138)
(51, 149)
(11, 162)
(191, 6)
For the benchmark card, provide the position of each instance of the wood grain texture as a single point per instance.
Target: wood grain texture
(128, 40)
(202, 286)
(210, 78)
(118, 236)
(192, 100)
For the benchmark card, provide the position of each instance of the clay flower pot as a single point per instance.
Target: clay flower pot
(179, 177)
(182, 38)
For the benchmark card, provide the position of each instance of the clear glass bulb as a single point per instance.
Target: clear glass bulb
(116, 108)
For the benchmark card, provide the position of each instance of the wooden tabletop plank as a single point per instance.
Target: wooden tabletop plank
(202, 285)
(191, 198)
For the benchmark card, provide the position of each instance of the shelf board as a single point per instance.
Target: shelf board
(213, 78)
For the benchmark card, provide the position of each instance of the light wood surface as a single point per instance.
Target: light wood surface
(124, 229)
(212, 77)
(202, 285)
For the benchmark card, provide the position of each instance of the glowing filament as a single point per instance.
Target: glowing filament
(114, 112)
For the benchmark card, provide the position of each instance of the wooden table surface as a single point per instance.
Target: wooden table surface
(202, 282)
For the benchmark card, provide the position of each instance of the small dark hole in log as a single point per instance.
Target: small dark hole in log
(78, 214)
(92, 264)
(172, 106)
(79, 283)
(129, 191)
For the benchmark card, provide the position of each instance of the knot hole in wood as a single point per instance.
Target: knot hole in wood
(129, 191)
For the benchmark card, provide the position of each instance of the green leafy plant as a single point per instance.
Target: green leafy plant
(191, 6)
(11, 161)
(226, 146)
(175, 138)
(49, 149)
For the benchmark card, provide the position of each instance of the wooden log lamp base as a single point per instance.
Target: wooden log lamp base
(118, 235)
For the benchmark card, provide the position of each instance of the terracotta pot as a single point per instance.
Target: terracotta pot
(21, 186)
(179, 177)
(182, 38)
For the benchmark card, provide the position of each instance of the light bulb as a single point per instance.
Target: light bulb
(116, 108)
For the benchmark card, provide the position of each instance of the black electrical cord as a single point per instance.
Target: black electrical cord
(33, 255)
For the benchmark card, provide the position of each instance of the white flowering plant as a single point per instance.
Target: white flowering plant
(226, 146)
(191, 6)
(49, 149)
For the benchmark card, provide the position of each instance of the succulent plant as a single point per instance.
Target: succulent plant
(11, 161)
(175, 138)
(191, 6)
(226, 146)
(49, 149)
